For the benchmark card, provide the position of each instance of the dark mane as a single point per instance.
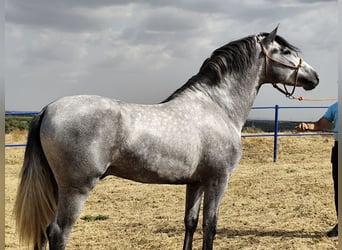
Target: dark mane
(233, 58)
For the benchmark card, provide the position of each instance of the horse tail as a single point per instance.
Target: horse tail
(36, 199)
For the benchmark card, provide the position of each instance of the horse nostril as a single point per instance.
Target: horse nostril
(317, 78)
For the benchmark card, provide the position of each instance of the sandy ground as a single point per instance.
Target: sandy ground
(283, 205)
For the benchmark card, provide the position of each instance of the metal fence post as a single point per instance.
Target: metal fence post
(276, 128)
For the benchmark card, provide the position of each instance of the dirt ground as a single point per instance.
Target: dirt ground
(282, 205)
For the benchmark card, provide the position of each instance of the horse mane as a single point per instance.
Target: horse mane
(233, 58)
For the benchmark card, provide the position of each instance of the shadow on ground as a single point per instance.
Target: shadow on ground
(232, 233)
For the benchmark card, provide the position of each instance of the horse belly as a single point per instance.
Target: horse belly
(155, 164)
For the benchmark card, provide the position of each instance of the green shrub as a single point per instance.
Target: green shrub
(17, 123)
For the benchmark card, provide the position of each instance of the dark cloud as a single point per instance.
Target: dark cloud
(107, 47)
(74, 15)
(162, 26)
(59, 15)
(296, 2)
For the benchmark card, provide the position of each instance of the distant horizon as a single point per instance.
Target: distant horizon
(259, 119)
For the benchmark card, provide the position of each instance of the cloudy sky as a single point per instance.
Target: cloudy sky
(141, 51)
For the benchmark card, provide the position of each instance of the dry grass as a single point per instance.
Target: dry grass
(283, 205)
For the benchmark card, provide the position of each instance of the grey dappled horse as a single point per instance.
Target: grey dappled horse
(191, 138)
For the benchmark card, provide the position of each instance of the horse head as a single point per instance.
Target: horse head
(283, 65)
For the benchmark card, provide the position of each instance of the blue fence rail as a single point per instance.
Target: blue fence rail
(275, 134)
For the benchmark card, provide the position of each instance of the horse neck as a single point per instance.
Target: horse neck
(234, 96)
(233, 90)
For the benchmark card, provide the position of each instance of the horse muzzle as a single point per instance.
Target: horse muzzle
(308, 83)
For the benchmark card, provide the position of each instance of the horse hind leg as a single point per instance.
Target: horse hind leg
(192, 206)
(42, 244)
(70, 203)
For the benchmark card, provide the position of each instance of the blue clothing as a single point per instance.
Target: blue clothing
(332, 116)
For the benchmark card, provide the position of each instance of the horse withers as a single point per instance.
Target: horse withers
(191, 138)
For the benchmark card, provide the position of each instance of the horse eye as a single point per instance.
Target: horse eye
(287, 52)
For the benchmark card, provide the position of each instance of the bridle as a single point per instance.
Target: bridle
(274, 84)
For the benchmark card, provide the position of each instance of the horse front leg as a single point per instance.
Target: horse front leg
(212, 199)
(192, 206)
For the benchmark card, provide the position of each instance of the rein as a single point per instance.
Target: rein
(296, 68)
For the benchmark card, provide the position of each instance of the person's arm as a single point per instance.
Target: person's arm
(321, 124)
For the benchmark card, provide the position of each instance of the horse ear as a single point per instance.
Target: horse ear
(270, 38)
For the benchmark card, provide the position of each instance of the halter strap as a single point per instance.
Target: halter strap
(274, 84)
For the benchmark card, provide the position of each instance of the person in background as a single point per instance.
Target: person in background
(330, 117)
